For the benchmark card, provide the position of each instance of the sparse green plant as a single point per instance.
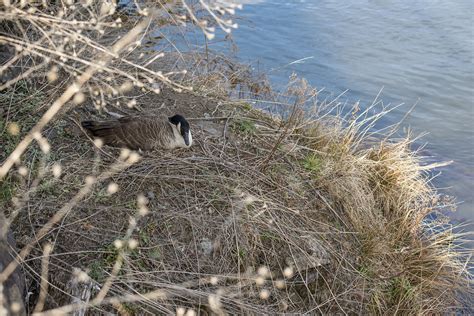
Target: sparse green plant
(9, 141)
(247, 106)
(245, 127)
(144, 237)
(96, 271)
(365, 271)
(242, 254)
(401, 290)
(101, 195)
(269, 236)
(155, 253)
(313, 163)
(7, 191)
(48, 187)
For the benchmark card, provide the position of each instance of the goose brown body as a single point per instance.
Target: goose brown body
(138, 132)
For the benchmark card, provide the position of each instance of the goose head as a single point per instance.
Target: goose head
(183, 128)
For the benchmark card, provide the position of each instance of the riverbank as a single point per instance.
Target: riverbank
(302, 212)
(262, 214)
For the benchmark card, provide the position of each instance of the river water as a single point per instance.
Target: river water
(414, 51)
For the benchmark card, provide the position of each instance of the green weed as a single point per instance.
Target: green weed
(155, 253)
(242, 254)
(7, 190)
(245, 127)
(96, 270)
(313, 163)
(400, 289)
(247, 106)
(365, 270)
(266, 235)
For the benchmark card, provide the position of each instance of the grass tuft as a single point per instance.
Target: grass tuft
(245, 127)
(313, 163)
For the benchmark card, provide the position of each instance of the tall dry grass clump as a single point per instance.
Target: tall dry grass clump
(404, 259)
(298, 208)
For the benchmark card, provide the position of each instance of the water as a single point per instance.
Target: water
(417, 51)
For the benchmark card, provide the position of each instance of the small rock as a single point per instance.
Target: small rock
(150, 195)
(206, 247)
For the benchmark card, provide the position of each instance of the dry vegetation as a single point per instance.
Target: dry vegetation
(302, 211)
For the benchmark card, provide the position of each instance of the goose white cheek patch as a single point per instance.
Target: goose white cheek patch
(190, 139)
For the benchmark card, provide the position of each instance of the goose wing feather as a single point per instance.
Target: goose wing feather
(134, 132)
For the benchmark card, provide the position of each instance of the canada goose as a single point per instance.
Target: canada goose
(143, 132)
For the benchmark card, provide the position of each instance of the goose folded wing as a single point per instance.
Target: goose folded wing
(135, 133)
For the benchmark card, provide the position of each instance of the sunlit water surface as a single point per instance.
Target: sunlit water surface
(416, 51)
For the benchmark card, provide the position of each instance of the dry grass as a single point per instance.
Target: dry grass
(339, 221)
(308, 211)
